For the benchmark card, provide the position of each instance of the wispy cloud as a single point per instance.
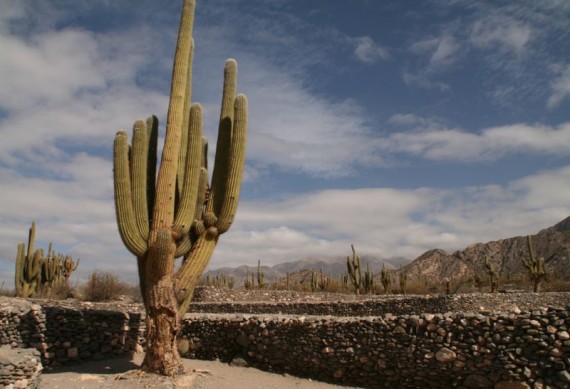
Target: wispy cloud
(560, 86)
(489, 144)
(368, 51)
(506, 33)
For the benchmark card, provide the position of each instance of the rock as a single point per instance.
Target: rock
(475, 381)
(563, 376)
(445, 355)
(239, 362)
(563, 335)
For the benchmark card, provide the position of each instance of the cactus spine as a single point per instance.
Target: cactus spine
(178, 215)
(535, 267)
(354, 271)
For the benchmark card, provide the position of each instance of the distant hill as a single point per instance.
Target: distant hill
(553, 244)
(300, 269)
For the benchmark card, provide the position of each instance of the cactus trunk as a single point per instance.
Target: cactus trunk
(180, 214)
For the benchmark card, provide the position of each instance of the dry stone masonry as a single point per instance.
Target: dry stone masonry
(471, 341)
(19, 368)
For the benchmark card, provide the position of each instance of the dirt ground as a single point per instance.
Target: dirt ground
(122, 373)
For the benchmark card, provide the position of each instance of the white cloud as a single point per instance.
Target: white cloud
(499, 30)
(415, 120)
(386, 222)
(489, 144)
(444, 53)
(560, 87)
(368, 51)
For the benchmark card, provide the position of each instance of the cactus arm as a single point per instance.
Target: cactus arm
(202, 193)
(19, 277)
(530, 248)
(187, 205)
(186, 120)
(139, 175)
(189, 273)
(126, 221)
(224, 138)
(152, 130)
(235, 167)
(163, 213)
(31, 240)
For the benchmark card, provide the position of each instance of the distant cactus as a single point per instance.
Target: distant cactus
(246, 282)
(28, 266)
(478, 282)
(385, 278)
(68, 266)
(403, 277)
(220, 281)
(260, 276)
(493, 276)
(535, 267)
(368, 281)
(36, 272)
(324, 281)
(354, 270)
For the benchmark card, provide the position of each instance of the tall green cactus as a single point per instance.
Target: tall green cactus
(354, 270)
(260, 276)
(535, 267)
(36, 272)
(179, 214)
(28, 266)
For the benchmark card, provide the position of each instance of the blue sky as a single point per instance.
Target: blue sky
(396, 126)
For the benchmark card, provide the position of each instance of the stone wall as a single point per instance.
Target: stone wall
(373, 343)
(380, 305)
(19, 368)
(511, 350)
(68, 334)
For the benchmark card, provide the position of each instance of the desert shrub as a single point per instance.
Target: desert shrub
(104, 286)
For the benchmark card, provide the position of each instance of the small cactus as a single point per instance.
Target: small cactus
(403, 278)
(247, 283)
(386, 278)
(260, 276)
(535, 267)
(354, 271)
(368, 282)
(493, 276)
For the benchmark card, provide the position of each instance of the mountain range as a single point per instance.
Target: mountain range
(553, 244)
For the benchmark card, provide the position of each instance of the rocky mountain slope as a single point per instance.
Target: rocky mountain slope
(553, 244)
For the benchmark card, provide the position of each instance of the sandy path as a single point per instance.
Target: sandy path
(120, 374)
